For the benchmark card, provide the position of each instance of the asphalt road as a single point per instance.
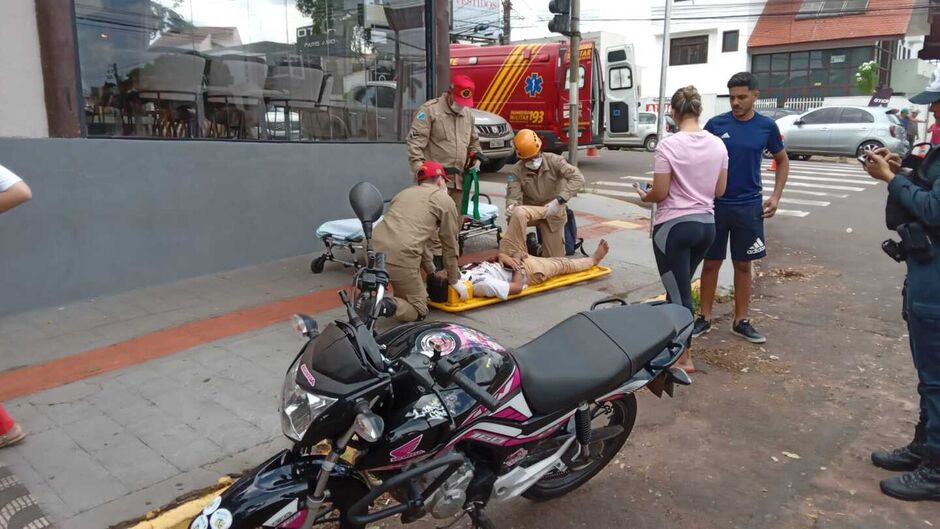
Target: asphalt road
(774, 436)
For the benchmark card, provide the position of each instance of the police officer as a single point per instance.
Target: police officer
(921, 240)
(543, 179)
(414, 216)
(442, 130)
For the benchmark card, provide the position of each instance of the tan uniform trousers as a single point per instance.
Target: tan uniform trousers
(553, 243)
(537, 269)
(411, 293)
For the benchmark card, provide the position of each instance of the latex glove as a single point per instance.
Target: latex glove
(461, 287)
(554, 207)
(509, 210)
(476, 165)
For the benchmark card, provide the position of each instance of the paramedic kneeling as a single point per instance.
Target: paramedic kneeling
(414, 216)
(543, 179)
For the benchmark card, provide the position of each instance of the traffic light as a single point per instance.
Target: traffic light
(561, 22)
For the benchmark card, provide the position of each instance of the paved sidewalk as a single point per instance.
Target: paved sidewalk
(133, 400)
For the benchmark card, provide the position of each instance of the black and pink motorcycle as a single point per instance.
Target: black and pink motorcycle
(439, 419)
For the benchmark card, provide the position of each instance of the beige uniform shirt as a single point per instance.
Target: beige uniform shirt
(413, 217)
(555, 178)
(441, 135)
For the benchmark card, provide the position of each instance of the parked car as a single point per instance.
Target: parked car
(844, 131)
(783, 124)
(646, 131)
(495, 139)
(777, 113)
(376, 101)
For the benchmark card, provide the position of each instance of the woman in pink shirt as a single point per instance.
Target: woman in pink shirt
(690, 171)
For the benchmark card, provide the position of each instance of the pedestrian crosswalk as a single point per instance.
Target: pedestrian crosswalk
(811, 185)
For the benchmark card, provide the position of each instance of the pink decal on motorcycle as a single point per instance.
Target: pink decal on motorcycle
(296, 521)
(308, 375)
(510, 385)
(407, 450)
(470, 336)
(490, 438)
(510, 414)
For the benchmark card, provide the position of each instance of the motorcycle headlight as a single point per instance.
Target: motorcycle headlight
(299, 407)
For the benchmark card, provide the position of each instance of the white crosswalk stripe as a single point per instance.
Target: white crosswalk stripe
(810, 185)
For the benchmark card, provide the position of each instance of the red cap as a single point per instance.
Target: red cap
(462, 88)
(429, 170)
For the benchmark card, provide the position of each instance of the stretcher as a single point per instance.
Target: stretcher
(454, 304)
(348, 235)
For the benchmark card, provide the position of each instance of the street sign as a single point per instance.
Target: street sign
(881, 97)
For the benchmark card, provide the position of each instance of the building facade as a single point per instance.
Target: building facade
(166, 139)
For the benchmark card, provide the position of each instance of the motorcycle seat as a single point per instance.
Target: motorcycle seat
(594, 352)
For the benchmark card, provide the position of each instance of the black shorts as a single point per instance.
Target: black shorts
(744, 225)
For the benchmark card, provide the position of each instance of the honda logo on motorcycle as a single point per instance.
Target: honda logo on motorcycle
(407, 450)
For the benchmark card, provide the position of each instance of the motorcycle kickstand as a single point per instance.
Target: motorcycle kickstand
(480, 519)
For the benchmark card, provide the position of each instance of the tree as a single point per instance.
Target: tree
(866, 78)
(319, 12)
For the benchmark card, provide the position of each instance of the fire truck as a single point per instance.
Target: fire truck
(527, 84)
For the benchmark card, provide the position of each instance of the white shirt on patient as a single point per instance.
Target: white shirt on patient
(490, 280)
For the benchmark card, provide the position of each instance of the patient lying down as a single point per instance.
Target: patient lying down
(510, 274)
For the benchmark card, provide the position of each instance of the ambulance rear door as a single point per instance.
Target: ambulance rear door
(621, 104)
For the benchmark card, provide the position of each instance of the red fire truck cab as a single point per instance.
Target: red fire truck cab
(527, 84)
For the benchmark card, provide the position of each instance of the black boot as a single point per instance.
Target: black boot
(920, 485)
(904, 459)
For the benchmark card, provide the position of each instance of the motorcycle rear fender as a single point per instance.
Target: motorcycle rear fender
(658, 375)
(265, 496)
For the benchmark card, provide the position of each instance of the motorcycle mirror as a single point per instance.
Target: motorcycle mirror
(366, 201)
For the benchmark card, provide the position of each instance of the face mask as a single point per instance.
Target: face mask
(534, 163)
(456, 108)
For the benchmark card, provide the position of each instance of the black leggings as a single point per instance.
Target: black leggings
(680, 245)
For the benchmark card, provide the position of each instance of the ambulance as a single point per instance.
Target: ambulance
(527, 84)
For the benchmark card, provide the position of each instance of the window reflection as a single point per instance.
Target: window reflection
(285, 70)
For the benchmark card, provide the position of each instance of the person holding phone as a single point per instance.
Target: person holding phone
(690, 172)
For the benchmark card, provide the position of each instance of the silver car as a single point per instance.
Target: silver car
(646, 132)
(844, 131)
(375, 100)
(495, 138)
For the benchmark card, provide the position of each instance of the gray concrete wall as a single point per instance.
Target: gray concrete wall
(112, 215)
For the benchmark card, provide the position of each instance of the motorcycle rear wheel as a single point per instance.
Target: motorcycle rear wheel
(621, 412)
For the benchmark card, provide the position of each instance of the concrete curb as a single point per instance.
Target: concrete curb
(178, 517)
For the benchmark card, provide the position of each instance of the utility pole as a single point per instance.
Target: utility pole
(507, 26)
(566, 20)
(661, 112)
(573, 77)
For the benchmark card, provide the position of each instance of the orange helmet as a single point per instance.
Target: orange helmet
(527, 143)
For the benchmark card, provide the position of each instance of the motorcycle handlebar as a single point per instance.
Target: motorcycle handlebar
(474, 390)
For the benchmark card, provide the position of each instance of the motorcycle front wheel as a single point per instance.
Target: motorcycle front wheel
(621, 412)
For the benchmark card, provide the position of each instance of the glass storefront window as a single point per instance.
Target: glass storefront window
(285, 70)
(816, 73)
(799, 61)
(761, 63)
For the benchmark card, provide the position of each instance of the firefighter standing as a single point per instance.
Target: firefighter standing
(443, 131)
(414, 216)
(543, 179)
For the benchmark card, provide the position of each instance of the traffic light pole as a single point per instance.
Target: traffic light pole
(661, 111)
(575, 54)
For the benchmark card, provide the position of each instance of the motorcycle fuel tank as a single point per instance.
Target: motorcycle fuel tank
(418, 422)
